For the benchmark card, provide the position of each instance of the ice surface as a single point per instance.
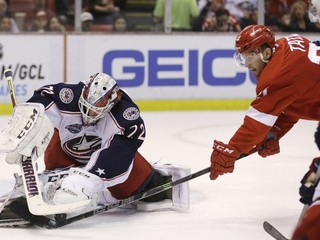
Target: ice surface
(231, 208)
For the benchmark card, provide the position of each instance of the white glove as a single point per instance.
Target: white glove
(79, 185)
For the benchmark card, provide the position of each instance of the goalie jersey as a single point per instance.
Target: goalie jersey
(107, 149)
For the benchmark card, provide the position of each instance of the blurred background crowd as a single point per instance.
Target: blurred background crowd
(150, 15)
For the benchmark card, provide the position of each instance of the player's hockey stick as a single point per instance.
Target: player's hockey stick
(36, 204)
(272, 231)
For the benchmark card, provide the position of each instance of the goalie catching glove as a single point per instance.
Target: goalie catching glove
(28, 130)
(223, 158)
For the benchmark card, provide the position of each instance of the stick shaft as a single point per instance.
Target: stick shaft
(8, 75)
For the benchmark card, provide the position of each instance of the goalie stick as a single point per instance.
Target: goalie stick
(44, 222)
(36, 204)
(41, 221)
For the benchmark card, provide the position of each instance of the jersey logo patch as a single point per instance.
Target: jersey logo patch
(74, 128)
(131, 113)
(81, 148)
(66, 95)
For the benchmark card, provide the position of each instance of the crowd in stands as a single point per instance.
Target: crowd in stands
(186, 15)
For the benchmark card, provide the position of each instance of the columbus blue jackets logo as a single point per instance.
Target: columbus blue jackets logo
(81, 148)
(66, 95)
(131, 113)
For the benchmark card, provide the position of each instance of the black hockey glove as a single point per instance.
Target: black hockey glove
(306, 194)
(317, 42)
(309, 182)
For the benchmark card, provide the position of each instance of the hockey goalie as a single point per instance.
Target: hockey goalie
(89, 135)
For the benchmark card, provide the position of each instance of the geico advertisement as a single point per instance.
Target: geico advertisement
(35, 60)
(163, 66)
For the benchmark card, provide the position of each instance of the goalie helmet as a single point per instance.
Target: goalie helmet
(253, 37)
(98, 96)
(314, 10)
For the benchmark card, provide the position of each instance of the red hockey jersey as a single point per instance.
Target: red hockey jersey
(288, 89)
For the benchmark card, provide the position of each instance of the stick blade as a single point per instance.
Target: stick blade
(272, 231)
(20, 207)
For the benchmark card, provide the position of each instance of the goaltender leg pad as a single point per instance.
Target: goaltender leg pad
(28, 128)
(180, 193)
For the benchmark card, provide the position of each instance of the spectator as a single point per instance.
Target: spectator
(5, 24)
(235, 7)
(120, 24)
(183, 13)
(209, 16)
(64, 11)
(202, 4)
(210, 23)
(41, 5)
(250, 16)
(39, 22)
(103, 11)
(4, 11)
(299, 21)
(54, 25)
(225, 23)
(122, 4)
(86, 21)
(275, 10)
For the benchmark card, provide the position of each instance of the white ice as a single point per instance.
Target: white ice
(231, 208)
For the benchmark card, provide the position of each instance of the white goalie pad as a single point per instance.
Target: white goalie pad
(180, 193)
(27, 129)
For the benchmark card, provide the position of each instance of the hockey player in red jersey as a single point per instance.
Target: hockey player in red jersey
(97, 132)
(288, 86)
(308, 227)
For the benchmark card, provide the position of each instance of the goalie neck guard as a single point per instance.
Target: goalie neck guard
(98, 96)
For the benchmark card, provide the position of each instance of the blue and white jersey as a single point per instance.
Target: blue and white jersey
(106, 148)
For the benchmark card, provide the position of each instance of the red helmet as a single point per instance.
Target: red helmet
(253, 37)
